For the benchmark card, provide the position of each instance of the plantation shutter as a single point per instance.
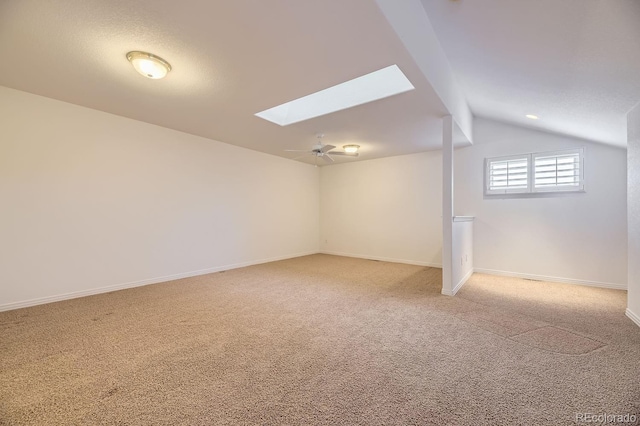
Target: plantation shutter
(508, 175)
(560, 171)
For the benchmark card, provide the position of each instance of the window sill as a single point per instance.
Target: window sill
(463, 218)
(548, 194)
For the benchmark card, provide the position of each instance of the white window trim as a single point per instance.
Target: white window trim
(531, 189)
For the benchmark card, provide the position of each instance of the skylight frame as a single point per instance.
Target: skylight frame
(384, 83)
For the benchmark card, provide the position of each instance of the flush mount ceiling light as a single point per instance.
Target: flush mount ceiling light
(532, 117)
(149, 65)
(351, 149)
(370, 87)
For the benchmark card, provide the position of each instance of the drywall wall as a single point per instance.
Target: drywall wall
(384, 209)
(579, 237)
(448, 240)
(633, 211)
(457, 236)
(93, 202)
(410, 21)
(462, 253)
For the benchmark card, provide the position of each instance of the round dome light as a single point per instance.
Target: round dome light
(149, 65)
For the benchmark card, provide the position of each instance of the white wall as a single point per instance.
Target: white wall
(410, 21)
(572, 237)
(93, 201)
(385, 209)
(633, 205)
(462, 256)
(448, 238)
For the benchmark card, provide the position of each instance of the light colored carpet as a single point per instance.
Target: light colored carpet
(322, 340)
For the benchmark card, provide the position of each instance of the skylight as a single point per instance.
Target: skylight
(379, 84)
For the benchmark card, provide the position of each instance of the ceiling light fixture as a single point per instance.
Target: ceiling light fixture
(149, 65)
(532, 117)
(351, 149)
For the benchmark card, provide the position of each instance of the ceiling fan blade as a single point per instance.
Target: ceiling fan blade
(296, 150)
(327, 158)
(346, 154)
(326, 148)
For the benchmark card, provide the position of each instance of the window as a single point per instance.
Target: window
(558, 171)
(379, 84)
(508, 175)
(535, 173)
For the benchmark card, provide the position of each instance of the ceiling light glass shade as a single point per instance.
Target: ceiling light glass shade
(149, 65)
(351, 149)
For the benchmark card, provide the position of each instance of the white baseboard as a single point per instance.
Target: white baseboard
(463, 281)
(459, 285)
(551, 279)
(383, 259)
(633, 317)
(107, 289)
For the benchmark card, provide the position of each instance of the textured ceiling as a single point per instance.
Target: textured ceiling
(230, 60)
(574, 63)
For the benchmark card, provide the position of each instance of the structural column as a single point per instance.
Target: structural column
(633, 214)
(447, 205)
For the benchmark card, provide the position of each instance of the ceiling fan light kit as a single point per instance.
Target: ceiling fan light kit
(325, 151)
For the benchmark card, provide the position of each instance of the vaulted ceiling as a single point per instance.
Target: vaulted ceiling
(573, 62)
(230, 59)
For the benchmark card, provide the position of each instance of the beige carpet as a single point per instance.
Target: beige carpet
(322, 340)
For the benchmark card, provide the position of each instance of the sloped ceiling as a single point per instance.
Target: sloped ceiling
(230, 60)
(574, 63)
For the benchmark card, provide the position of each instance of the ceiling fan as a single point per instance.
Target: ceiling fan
(320, 150)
